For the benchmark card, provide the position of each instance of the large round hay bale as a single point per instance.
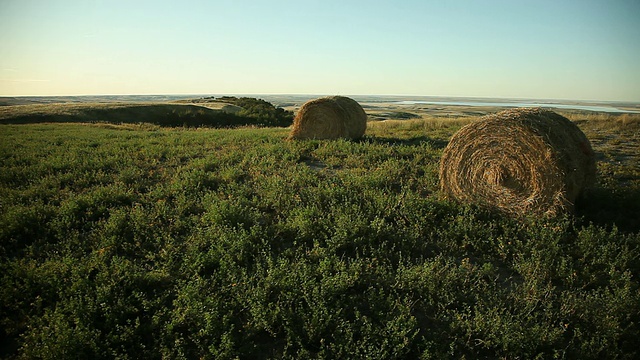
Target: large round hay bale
(330, 117)
(520, 161)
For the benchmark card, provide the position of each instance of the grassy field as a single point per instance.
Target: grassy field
(138, 241)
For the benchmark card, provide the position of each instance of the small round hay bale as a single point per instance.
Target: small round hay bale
(519, 161)
(330, 117)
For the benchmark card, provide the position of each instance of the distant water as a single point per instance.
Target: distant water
(600, 108)
(288, 100)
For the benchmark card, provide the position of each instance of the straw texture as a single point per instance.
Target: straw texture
(331, 117)
(520, 161)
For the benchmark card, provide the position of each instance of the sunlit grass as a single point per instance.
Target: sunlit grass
(140, 241)
(436, 127)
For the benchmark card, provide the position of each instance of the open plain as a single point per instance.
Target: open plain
(124, 237)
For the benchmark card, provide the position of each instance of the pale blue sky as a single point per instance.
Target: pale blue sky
(561, 49)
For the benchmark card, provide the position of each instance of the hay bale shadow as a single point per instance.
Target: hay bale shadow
(317, 165)
(413, 141)
(608, 207)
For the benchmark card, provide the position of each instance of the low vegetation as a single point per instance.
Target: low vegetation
(396, 115)
(139, 241)
(252, 112)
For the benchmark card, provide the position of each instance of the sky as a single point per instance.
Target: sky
(539, 49)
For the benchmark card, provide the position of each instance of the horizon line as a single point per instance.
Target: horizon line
(324, 94)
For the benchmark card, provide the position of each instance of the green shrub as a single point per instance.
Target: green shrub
(225, 243)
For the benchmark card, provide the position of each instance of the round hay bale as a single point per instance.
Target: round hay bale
(330, 117)
(519, 161)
